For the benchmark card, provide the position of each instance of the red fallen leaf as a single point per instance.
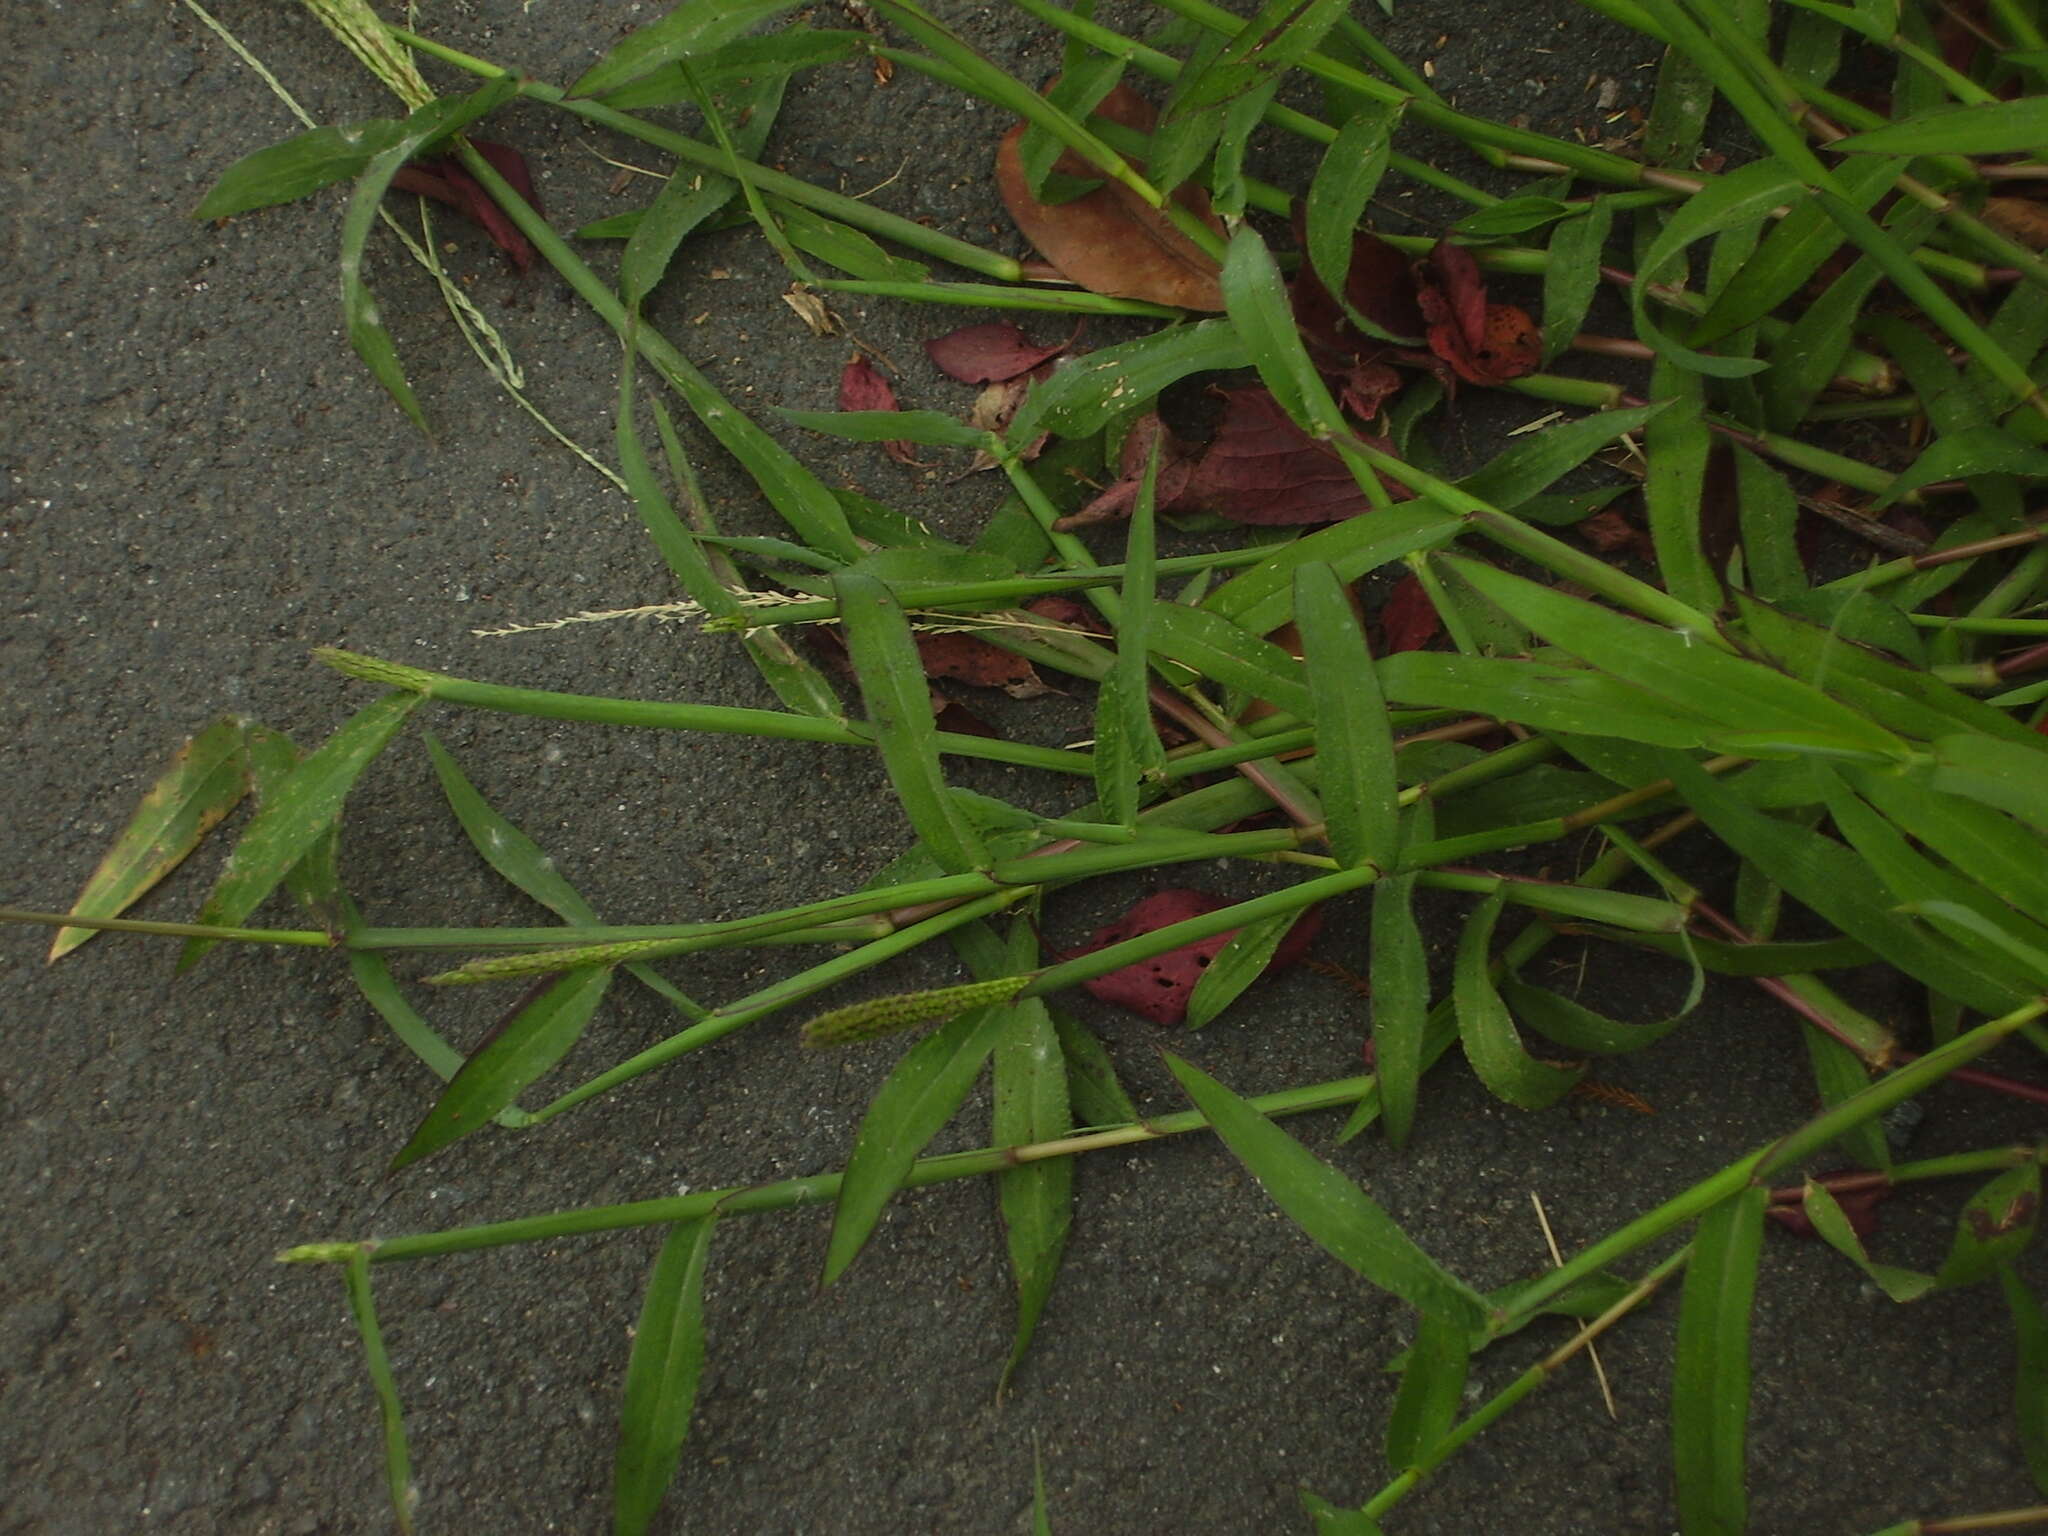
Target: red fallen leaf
(1159, 988)
(1263, 469)
(1483, 343)
(1859, 1205)
(963, 658)
(1176, 469)
(442, 178)
(862, 388)
(970, 659)
(1408, 619)
(991, 353)
(1108, 241)
(1609, 531)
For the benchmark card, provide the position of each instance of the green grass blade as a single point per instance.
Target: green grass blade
(1431, 1392)
(397, 1458)
(1678, 112)
(1493, 1047)
(523, 863)
(1216, 648)
(1344, 183)
(1329, 1520)
(2000, 774)
(1531, 464)
(295, 814)
(1769, 513)
(2019, 126)
(1550, 696)
(1832, 1223)
(690, 196)
(1999, 855)
(1355, 744)
(1256, 299)
(366, 332)
(1579, 1029)
(523, 1049)
(1261, 599)
(1098, 1096)
(686, 31)
(1237, 965)
(1792, 253)
(847, 248)
(1341, 1218)
(1836, 883)
(1572, 275)
(1996, 1226)
(207, 778)
(892, 683)
(1710, 1380)
(705, 572)
(1083, 397)
(1741, 198)
(304, 163)
(1741, 694)
(1036, 1199)
(662, 1374)
(1128, 754)
(1676, 446)
(2030, 1373)
(1400, 1003)
(920, 1096)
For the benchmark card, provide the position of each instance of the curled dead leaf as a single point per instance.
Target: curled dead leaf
(1109, 240)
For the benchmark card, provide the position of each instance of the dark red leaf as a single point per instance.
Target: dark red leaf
(862, 388)
(1609, 531)
(442, 178)
(1108, 240)
(1263, 469)
(1379, 284)
(1159, 988)
(1408, 619)
(991, 353)
(1859, 1205)
(1176, 471)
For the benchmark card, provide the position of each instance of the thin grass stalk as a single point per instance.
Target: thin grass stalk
(788, 1194)
(708, 157)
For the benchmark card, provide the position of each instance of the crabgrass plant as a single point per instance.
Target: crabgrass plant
(1862, 746)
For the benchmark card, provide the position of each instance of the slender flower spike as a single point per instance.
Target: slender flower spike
(904, 1010)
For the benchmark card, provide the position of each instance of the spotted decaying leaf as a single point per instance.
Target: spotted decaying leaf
(1109, 240)
(1159, 988)
(442, 178)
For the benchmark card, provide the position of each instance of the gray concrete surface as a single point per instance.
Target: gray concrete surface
(201, 483)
